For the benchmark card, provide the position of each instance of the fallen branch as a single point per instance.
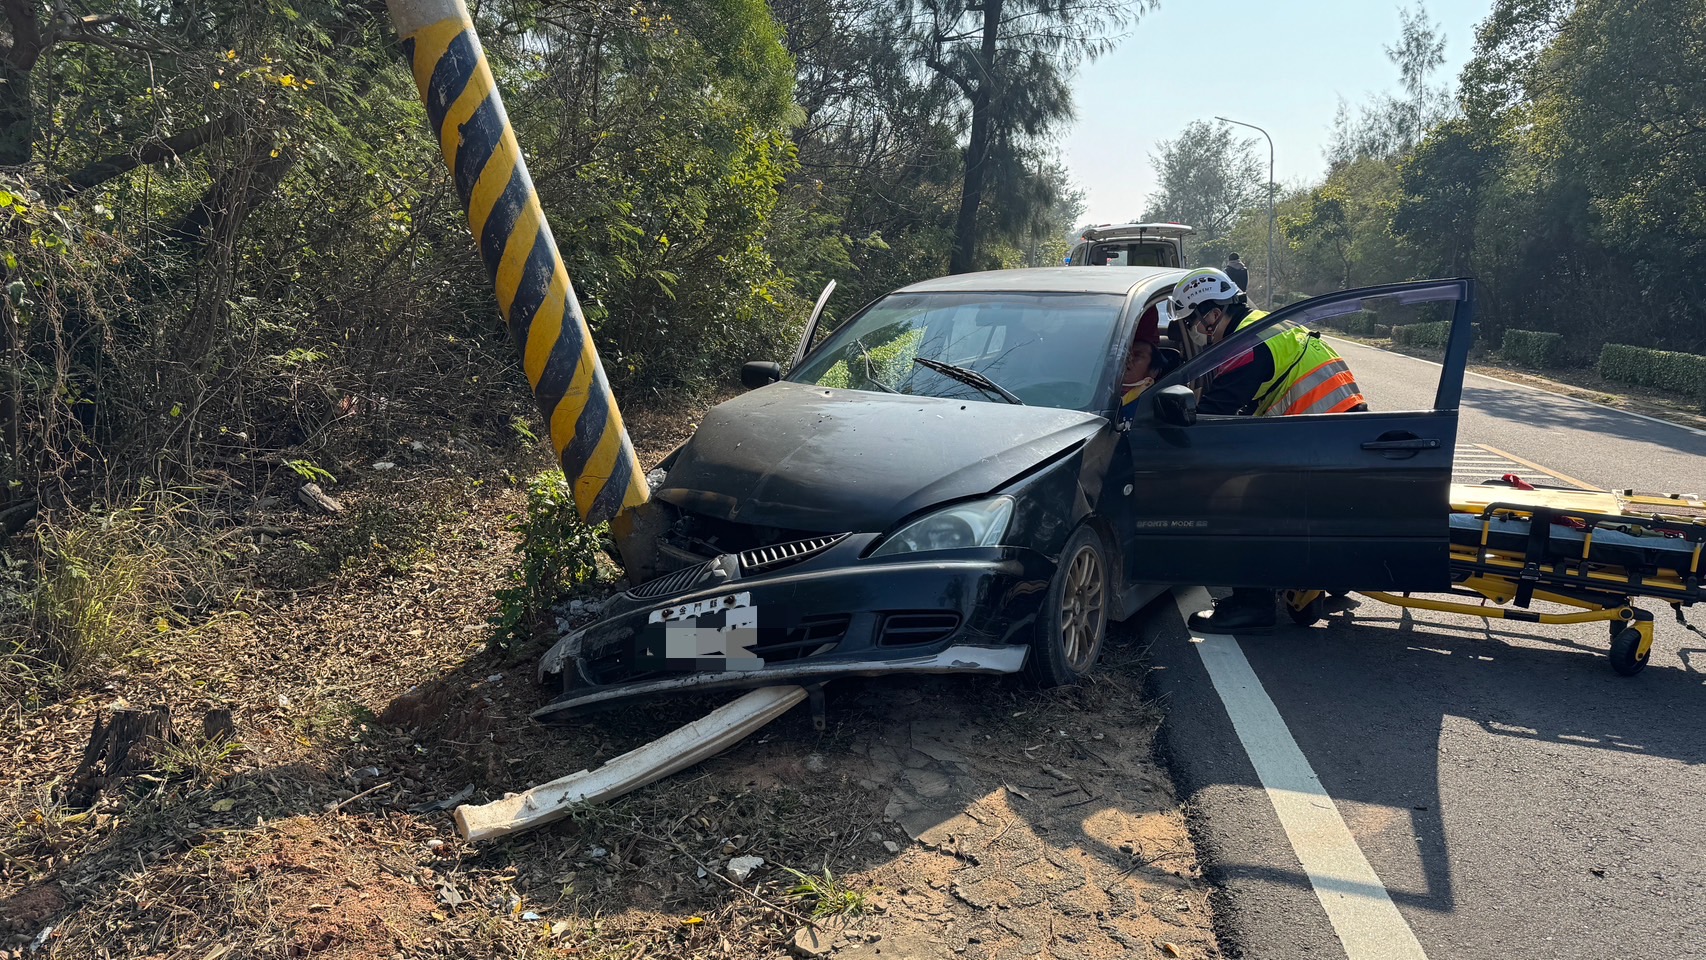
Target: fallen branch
(339, 805)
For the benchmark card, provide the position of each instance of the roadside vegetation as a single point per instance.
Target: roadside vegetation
(233, 265)
(1562, 170)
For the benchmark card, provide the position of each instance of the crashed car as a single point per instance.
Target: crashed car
(951, 481)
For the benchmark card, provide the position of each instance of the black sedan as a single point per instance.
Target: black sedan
(954, 480)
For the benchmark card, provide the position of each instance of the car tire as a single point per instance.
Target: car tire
(1074, 619)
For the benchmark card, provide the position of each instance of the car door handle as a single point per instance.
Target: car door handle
(1413, 443)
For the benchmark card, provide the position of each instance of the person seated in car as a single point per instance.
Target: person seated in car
(1147, 361)
(1139, 374)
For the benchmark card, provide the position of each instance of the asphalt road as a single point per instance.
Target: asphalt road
(1511, 795)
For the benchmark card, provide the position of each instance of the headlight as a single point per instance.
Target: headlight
(980, 524)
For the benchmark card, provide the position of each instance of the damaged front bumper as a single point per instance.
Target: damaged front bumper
(956, 659)
(833, 615)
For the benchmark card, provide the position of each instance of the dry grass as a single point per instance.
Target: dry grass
(109, 584)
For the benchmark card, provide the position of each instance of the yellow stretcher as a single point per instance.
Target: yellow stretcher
(1593, 551)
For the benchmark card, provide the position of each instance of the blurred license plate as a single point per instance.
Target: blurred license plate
(707, 635)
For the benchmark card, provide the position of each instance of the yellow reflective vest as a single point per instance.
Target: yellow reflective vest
(1309, 376)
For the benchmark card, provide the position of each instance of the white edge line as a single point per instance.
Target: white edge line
(1530, 387)
(1361, 911)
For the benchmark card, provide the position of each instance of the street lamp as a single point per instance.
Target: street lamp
(1270, 202)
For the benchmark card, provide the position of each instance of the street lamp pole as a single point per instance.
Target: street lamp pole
(1270, 202)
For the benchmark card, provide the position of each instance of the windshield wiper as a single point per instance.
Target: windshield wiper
(969, 377)
(870, 371)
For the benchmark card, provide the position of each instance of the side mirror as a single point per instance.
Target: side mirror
(757, 373)
(1176, 405)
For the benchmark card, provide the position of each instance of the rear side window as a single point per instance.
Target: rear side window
(1151, 254)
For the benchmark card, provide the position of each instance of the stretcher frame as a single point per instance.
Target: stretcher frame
(1562, 571)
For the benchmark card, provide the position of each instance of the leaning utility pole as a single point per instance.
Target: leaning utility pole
(534, 294)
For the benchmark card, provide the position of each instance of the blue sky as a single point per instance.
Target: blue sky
(1285, 66)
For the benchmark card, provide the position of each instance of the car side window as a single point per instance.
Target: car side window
(1332, 355)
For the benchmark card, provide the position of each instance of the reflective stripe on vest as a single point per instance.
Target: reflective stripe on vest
(1309, 377)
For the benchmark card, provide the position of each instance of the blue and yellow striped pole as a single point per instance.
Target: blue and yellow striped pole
(534, 294)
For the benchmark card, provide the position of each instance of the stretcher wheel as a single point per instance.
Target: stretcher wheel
(1623, 653)
(1308, 615)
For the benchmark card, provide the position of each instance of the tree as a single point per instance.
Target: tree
(1010, 62)
(1440, 186)
(1341, 230)
(1208, 176)
(1047, 208)
(1392, 125)
(1620, 107)
(1502, 73)
(872, 202)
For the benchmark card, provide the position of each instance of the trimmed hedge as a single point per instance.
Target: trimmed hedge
(1359, 324)
(1431, 335)
(1533, 348)
(1680, 373)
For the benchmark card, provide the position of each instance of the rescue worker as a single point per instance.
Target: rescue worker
(1239, 273)
(1292, 372)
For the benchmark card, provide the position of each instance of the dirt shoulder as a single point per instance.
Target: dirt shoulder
(940, 817)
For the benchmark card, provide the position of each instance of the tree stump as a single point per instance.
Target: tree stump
(218, 726)
(120, 745)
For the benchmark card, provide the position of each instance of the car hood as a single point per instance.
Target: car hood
(816, 459)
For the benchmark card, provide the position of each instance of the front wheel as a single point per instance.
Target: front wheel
(1075, 618)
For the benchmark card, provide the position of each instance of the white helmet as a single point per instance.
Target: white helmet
(1206, 286)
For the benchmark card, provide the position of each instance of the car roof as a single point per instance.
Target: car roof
(1117, 280)
(1132, 231)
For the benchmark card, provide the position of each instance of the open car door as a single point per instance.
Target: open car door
(1326, 501)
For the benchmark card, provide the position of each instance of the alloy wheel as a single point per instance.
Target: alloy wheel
(1082, 609)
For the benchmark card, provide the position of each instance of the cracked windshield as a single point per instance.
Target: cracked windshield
(1045, 349)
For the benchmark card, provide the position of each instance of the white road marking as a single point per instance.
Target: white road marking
(1525, 386)
(1361, 911)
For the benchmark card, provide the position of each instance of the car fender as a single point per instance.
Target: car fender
(1053, 499)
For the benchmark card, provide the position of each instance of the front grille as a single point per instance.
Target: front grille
(912, 629)
(778, 555)
(670, 583)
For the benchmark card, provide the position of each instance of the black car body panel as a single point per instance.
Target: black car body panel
(793, 503)
(810, 458)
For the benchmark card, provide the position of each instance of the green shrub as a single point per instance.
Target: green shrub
(1358, 324)
(1680, 373)
(558, 552)
(1430, 335)
(1533, 348)
(889, 364)
(1382, 331)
